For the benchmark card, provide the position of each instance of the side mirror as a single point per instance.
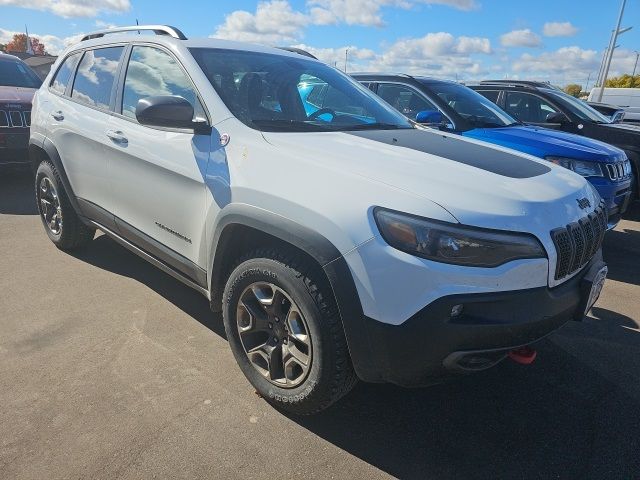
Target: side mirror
(169, 111)
(430, 117)
(556, 117)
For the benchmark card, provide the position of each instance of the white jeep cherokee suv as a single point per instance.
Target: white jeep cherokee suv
(339, 239)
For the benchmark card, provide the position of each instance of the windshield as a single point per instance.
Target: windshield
(289, 94)
(578, 107)
(17, 74)
(476, 110)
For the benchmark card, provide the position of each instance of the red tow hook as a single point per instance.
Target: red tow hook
(523, 355)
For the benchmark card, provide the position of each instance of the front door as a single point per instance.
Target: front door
(157, 174)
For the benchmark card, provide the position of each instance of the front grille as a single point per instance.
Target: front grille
(619, 170)
(15, 119)
(578, 242)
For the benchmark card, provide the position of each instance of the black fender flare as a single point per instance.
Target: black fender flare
(323, 252)
(51, 152)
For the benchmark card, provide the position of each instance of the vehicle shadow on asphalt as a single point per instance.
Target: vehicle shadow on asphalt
(621, 250)
(106, 254)
(558, 418)
(16, 193)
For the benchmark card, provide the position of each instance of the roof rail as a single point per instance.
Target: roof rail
(157, 29)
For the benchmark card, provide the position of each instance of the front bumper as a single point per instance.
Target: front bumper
(14, 147)
(616, 195)
(432, 344)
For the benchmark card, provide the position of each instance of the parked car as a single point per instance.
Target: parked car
(342, 244)
(613, 113)
(626, 98)
(453, 107)
(552, 108)
(18, 83)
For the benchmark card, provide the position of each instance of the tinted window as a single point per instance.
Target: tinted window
(404, 99)
(475, 109)
(272, 92)
(491, 95)
(63, 76)
(528, 108)
(577, 106)
(153, 72)
(14, 73)
(95, 76)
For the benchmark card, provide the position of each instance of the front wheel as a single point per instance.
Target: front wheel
(285, 332)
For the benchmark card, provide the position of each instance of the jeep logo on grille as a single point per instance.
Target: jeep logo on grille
(583, 203)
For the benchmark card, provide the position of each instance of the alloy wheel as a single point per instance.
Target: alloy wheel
(50, 205)
(274, 334)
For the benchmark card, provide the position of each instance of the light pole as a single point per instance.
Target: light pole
(346, 56)
(612, 46)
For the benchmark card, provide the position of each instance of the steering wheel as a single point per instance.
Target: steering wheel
(322, 111)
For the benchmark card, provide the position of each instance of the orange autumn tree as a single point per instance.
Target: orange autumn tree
(19, 44)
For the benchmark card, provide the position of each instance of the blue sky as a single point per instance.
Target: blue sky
(559, 40)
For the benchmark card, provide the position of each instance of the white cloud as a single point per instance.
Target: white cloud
(465, 5)
(520, 38)
(559, 29)
(72, 8)
(273, 22)
(358, 58)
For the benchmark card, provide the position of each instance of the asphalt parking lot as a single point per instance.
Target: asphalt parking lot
(111, 369)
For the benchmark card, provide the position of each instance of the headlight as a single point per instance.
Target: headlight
(581, 167)
(453, 243)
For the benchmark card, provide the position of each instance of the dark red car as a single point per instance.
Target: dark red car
(18, 83)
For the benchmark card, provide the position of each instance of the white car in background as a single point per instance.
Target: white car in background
(625, 98)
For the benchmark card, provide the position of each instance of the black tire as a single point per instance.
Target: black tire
(71, 233)
(330, 375)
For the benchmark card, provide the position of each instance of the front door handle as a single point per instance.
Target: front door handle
(58, 115)
(117, 136)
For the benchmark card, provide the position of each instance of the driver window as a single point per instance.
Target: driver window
(154, 72)
(404, 99)
(528, 108)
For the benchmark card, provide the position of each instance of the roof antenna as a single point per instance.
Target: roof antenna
(137, 24)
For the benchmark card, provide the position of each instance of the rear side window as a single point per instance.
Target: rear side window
(63, 76)
(95, 76)
(153, 72)
(491, 95)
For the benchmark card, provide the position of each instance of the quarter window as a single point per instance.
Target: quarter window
(528, 108)
(95, 76)
(153, 72)
(64, 74)
(404, 99)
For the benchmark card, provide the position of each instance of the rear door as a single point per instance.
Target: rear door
(79, 111)
(157, 174)
(530, 108)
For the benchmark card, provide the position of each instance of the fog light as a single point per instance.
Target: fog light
(456, 310)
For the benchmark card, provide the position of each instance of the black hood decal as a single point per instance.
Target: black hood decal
(458, 150)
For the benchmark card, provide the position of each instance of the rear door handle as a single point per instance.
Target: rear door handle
(58, 115)
(117, 136)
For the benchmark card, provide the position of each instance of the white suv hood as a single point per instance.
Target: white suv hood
(479, 184)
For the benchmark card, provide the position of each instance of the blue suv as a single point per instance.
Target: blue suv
(453, 107)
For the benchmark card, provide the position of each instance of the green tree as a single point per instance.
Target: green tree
(624, 81)
(3, 47)
(573, 89)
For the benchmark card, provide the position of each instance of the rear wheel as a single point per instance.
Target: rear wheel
(62, 224)
(286, 333)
